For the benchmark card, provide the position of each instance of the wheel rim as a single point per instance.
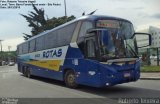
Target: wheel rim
(71, 79)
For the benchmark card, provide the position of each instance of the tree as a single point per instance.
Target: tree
(38, 23)
(54, 22)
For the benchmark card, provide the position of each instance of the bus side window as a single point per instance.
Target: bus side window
(40, 43)
(32, 45)
(25, 47)
(20, 49)
(84, 27)
(90, 46)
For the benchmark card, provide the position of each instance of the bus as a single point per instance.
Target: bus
(93, 50)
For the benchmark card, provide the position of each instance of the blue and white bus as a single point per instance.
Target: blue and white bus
(93, 50)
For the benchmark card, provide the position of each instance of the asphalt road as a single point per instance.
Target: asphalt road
(14, 85)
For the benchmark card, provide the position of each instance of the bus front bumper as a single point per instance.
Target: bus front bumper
(121, 77)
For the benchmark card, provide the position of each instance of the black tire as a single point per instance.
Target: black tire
(24, 71)
(28, 73)
(69, 79)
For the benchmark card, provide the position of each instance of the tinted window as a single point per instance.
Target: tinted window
(25, 47)
(40, 43)
(20, 49)
(59, 37)
(51, 40)
(84, 27)
(90, 48)
(32, 45)
(65, 34)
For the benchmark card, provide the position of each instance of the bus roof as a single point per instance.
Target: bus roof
(86, 17)
(97, 17)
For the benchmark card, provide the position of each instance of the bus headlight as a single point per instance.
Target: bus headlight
(107, 84)
(91, 72)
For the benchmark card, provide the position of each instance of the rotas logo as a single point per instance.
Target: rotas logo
(52, 53)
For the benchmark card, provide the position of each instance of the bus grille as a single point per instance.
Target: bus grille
(122, 70)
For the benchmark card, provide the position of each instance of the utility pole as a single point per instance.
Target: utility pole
(9, 59)
(1, 52)
(157, 57)
(65, 8)
(1, 45)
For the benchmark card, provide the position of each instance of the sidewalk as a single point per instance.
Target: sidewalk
(150, 75)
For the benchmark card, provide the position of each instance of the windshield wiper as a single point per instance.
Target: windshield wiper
(108, 57)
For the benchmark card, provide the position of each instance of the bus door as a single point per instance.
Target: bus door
(91, 54)
(90, 47)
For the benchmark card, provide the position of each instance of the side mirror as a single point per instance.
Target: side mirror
(143, 39)
(91, 30)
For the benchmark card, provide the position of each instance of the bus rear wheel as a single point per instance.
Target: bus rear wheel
(70, 79)
(24, 70)
(28, 73)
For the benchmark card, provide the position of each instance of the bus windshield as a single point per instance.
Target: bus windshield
(116, 39)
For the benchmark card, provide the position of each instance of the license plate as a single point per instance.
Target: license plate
(127, 74)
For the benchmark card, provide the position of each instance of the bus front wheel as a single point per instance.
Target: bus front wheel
(70, 79)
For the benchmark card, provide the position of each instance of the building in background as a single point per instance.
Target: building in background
(155, 32)
(153, 51)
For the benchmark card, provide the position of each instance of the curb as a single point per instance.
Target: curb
(149, 78)
(151, 72)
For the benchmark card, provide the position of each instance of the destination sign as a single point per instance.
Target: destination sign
(107, 24)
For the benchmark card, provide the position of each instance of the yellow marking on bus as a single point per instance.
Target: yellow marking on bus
(48, 64)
